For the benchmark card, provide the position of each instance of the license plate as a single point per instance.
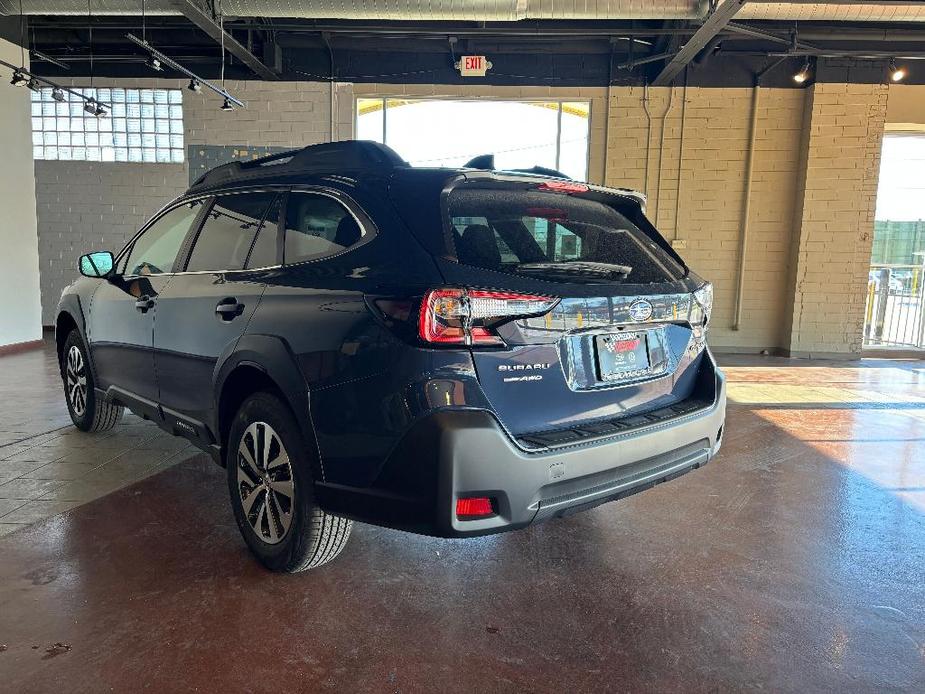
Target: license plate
(622, 355)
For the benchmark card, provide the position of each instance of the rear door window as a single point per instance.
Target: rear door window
(229, 232)
(554, 236)
(318, 226)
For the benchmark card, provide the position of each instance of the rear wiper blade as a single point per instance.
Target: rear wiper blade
(579, 267)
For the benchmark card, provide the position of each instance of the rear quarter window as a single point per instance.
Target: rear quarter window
(318, 226)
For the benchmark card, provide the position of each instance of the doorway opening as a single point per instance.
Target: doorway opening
(895, 311)
(450, 132)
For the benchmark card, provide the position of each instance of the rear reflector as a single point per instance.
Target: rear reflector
(469, 316)
(474, 507)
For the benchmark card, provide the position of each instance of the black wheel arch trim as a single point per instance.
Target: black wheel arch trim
(272, 356)
(72, 306)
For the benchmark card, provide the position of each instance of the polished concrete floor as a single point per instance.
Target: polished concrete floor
(46, 465)
(793, 562)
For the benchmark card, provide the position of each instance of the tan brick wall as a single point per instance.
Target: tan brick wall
(834, 218)
(704, 208)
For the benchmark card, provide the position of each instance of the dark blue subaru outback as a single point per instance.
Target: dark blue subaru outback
(446, 351)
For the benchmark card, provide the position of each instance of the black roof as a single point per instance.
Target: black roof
(356, 157)
(330, 157)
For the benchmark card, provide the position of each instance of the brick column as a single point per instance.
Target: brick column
(834, 218)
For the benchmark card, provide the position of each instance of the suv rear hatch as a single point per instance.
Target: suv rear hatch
(576, 311)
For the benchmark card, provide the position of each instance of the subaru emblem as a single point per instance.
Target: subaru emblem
(640, 310)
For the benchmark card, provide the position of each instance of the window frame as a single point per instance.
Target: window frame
(189, 244)
(368, 228)
(126, 251)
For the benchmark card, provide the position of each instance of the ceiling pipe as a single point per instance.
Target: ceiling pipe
(831, 53)
(738, 299)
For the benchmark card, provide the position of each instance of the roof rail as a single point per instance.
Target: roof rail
(324, 158)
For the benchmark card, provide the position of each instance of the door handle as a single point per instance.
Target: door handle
(144, 303)
(229, 308)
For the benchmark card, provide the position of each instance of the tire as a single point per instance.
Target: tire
(272, 491)
(88, 412)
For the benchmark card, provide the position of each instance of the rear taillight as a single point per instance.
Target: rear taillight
(702, 306)
(470, 316)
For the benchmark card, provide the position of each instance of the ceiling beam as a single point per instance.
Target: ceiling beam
(202, 20)
(711, 26)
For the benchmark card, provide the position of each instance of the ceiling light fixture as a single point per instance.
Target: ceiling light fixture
(155, 64)
(896, 73)
(227, 105)
(174, 65)
(803, 74)
(194, 86)
(22, 77)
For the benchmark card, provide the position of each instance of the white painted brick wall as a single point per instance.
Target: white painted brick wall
(84, 206)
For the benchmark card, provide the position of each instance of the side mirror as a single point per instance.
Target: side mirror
(98, 264)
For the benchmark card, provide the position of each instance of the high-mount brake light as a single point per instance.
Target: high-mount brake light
(562, 187)
(469, 316)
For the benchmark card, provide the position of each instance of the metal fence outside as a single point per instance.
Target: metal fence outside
(895, 312)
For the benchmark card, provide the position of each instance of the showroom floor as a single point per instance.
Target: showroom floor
(793, 562)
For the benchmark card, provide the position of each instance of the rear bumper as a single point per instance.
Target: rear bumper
(466, 453)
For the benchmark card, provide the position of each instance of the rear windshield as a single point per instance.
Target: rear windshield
(554, 236)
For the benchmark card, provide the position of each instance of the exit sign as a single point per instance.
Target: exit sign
(473, 65)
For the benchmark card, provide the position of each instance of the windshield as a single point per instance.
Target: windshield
(554, 236)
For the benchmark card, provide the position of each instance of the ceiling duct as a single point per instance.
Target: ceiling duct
(495, 10)
(390, 10)
(844, 11)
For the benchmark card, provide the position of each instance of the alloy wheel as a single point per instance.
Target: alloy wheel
(76, 375)
(265, 482)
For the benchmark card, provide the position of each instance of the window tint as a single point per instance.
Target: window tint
(155, 251)
(263, 254)
(229, 231)
(554, 236)
(317, 225)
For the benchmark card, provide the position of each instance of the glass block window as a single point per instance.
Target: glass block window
(143, 125)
